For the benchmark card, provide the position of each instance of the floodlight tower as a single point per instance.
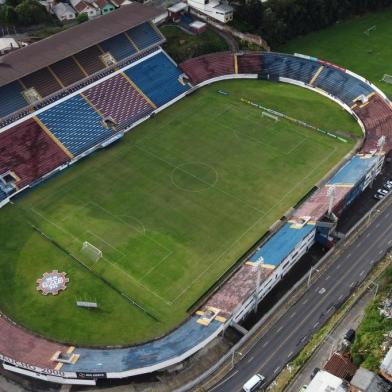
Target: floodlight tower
(331, 193)
(257, 268)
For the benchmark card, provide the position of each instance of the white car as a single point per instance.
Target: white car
(253, 383)
(382, 191)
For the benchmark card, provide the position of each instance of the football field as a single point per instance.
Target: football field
(172, 206)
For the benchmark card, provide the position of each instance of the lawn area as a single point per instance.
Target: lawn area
(182, 46)
(172, 206)
(347, 45)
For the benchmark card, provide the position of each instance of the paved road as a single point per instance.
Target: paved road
(291, 332)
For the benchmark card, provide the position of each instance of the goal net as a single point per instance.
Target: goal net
(92, 252)
(387, 78)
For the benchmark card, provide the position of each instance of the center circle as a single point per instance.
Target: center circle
(194, 176)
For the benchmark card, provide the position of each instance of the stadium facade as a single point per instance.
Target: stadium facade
(107, 76)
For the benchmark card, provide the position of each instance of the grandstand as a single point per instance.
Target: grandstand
(104, 83)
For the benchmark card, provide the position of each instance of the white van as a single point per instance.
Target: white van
(253, 383)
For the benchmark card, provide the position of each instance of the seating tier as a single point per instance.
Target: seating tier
(11, 98)
(67, 71)
(158, 78)
(76, 124)
(249, 63)
(29, 152)
(89, 60)
(116, 97)
(144, 36)
(43, 81)
(119, 47)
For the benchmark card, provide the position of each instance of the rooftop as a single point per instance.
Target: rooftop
(14, 66)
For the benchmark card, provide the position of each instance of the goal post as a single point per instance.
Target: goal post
(91, 251)
(387, 79)
(270, 116)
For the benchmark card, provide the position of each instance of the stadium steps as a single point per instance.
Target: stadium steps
(28, 151)
(42, 81)
(11, 98)
(67, 71)
(144, 36)
(76, 124)
(119, 47)
(117, 98)
(249, 63)
(157, 77)
(89, 60)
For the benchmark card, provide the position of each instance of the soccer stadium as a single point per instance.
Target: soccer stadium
(154, 203)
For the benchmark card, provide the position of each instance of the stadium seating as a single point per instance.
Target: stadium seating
(249, 63)
(341, 85)
(29, 152)
(118, 46)
(209, 66)
(157, 77)
(67, 71)
(116, 97)
(3, 195)
(89, 60)
(43, 81)
(277, 65)
(11, 98)
(76, 124)
(144, 36)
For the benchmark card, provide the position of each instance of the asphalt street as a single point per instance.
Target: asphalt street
(290, 333)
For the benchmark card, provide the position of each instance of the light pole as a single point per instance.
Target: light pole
(233, 357)
(310, 273)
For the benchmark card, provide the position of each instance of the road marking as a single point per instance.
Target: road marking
(348, 255)
(276, 370)
(389, 242)
(290, 354)
(223, 381)
(377, 225)
(279, 329)
(372, 261)
(305, 301)
(367, 235)
(327, 277)
(330, 309)
(362, 272)
(292, 315)
(338, 266)
(264, 344)
(358, 245)
(381, 251)
(352, 284)
(250, 359)
(340, 297)
(316, 325)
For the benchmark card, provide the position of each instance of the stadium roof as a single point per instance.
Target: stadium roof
(31, 58)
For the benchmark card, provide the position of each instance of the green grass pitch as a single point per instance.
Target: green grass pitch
(172, 206)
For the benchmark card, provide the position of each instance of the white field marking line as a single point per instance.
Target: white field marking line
(178, 167)
(156, 266)
(80, 208)
(105, 242)
(127, 224)
(138, 221)
(260, 142)
(130, 277)
(198, 179)
(246, 231)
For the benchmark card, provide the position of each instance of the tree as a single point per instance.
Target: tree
(8, 16)
(30, 12)
(82, 17)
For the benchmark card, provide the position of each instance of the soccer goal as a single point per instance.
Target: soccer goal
(270, 116)
(387, 78)
(91, 251)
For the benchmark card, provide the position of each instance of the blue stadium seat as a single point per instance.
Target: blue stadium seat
(2, 195)
(11, 99)
(76, 124)
(119, 47)
(341, 85)
(157, 77)
(144, 35)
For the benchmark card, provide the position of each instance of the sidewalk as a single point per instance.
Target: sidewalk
(319, 358)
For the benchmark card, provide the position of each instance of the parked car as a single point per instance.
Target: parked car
(314, 372)
(378, 196)
(382, 191)
(350, 335)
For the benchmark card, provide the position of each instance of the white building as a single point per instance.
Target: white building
(9, 44)
(327, 382)
(83, 7)
(215, 9)
(64, 12)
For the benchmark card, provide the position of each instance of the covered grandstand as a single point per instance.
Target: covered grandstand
(78, 108)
